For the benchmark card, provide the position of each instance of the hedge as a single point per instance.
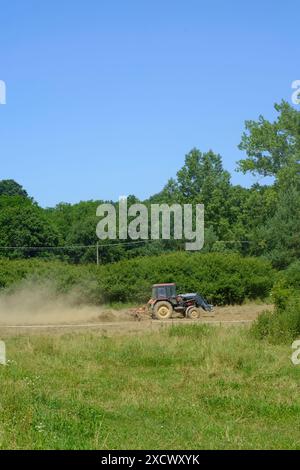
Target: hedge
(221, 278)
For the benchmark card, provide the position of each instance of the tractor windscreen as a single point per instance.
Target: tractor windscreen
(158, 292)
(163, 291)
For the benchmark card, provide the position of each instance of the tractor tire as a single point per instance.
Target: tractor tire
(163, 310)
(193, 313)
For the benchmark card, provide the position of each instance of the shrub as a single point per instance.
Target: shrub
(261, 327)
(221, 278)
(62, 277)
(284, 324)
(290, 277)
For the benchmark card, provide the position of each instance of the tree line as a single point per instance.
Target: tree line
(260, 221)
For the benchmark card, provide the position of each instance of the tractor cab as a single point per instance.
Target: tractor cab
(164, 291)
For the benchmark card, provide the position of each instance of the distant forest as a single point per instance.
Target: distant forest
(260, 221)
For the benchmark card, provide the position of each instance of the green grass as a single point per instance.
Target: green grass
(187, 387)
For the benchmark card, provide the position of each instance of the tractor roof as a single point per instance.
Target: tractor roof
(164, 284)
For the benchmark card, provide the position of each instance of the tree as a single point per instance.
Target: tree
(203, 180)
(77, 226)
(168, 195)
(24, 224)
(12, 188)
(281, 231)
(271, 146)
(201, 174)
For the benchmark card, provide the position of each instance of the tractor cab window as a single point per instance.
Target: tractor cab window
(163, 292)
(160, 292)
(171, 291)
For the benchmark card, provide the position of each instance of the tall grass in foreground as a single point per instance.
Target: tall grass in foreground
(184, 387)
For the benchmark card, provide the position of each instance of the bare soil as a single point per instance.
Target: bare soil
(238, 312)
(109, 321)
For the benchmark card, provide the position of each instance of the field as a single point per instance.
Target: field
(183, 387)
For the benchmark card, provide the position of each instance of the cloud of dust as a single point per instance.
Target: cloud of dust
(33, 303)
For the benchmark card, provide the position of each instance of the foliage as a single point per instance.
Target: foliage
(12, 188)
(270, 146)
(256, 221)
(284, 324)
(290, 277)
(24, 224)
(64, 278)
(222, 278)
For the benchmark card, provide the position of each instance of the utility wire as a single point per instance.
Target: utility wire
(71, 247)
(107, 245)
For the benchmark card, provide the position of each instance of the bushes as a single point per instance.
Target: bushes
(222, 278)
(284, 324)
(62, 277)
(290, 277)
(14, 271)
(281, 326)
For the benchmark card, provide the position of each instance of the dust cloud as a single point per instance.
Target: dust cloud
(40, 304)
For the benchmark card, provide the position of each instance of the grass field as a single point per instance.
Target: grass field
(185, 387)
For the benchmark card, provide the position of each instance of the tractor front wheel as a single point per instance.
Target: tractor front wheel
(193, 313)
(163, 310)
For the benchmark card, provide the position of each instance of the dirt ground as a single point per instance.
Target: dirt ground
(109, 321)
(238, 312)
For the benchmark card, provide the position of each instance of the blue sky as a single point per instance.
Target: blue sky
(105, 98)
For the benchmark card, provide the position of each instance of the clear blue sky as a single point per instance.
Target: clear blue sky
(105, 98)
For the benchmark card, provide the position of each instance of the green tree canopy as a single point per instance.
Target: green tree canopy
(23, 223)
(12, 188)
(271, 146)
(201, 175)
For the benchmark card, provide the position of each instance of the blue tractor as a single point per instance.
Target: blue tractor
(165, 301)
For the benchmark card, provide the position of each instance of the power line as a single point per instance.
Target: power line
(71, 247)
(108, 245)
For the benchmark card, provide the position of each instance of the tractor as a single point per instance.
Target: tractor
(165, 301)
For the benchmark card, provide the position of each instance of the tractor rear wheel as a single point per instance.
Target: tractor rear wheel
(193, 313)
(163, 310)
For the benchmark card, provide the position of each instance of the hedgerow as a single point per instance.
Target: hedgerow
(221, 278)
